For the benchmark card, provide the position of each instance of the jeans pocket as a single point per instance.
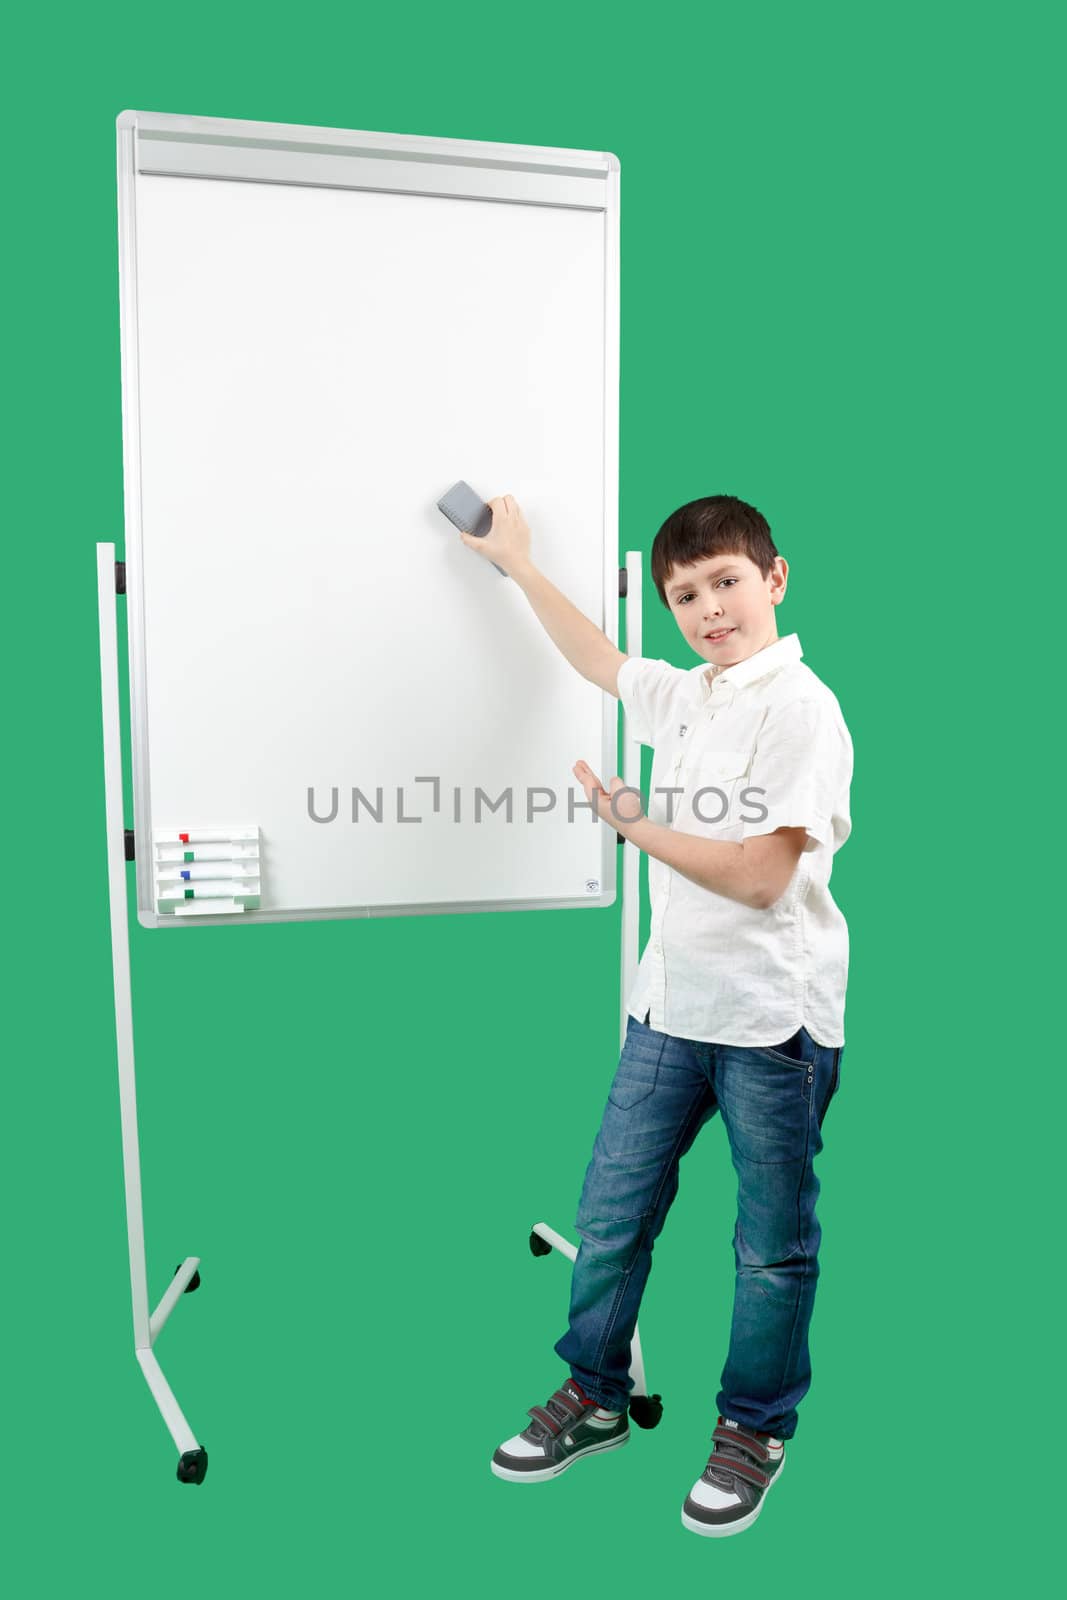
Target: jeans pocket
(637, 1072)
(798, 1051)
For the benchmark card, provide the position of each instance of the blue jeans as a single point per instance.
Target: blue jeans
(773, 1102)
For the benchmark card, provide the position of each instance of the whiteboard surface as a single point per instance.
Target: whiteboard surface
(306, 369)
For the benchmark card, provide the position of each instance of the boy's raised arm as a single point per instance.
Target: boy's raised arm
(585, 646)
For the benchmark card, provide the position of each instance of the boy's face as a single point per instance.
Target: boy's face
(726, 593)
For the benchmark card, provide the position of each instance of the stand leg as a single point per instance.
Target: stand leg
(193, 1463)
(645, 1409)
(631, 776)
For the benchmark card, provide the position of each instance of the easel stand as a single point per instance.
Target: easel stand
(645, 1409)
(147, 1326)
(192, 1464)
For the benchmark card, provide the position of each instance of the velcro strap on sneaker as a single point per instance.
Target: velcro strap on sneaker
(745, 1441)
(743, 1469)
(556, 1425)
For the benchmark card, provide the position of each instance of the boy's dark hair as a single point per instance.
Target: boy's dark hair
(717, 525)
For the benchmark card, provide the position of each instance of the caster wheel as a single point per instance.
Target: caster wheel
(192, 1466)
(539, 1246)
(646, 1409)
(194, 1281)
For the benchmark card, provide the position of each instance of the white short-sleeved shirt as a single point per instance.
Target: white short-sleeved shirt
(714, 969)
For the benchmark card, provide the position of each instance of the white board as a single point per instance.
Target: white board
(322, 330)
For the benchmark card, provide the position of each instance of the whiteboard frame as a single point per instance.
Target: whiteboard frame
(274, 152)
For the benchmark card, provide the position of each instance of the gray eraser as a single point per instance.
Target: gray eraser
(467, 510)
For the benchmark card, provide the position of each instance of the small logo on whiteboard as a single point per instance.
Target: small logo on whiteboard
(592, 885)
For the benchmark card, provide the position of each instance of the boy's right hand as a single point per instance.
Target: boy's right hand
(508, 540)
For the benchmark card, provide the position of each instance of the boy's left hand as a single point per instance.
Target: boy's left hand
(627, 807)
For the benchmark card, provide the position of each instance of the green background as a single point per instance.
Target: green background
(839, 247)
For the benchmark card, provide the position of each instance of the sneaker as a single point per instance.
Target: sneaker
(728, 1495)
(563, 1429)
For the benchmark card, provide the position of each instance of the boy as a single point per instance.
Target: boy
(738, 1004)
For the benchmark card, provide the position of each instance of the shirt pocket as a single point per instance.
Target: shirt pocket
(712, 788)
(666, 775)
